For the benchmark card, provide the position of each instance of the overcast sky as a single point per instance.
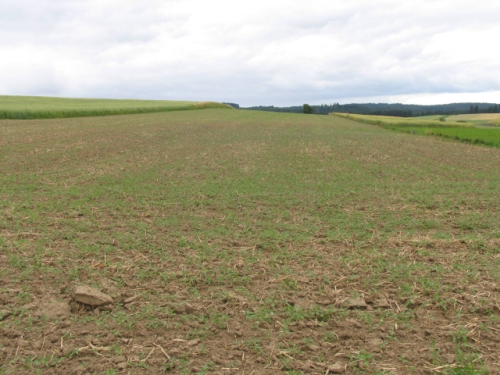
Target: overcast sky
(268, 52)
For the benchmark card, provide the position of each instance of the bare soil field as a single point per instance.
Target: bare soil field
(242, 242)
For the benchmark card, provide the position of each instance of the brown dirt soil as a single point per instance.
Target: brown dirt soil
(390, 302)
(242, 345)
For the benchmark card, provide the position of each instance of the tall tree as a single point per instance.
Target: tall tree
(306, 108)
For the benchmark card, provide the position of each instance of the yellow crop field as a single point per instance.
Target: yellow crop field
(389, 121)
(493, 118)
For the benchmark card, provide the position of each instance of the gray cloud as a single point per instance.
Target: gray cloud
(263, 52)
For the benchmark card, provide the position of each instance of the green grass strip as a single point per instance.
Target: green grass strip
(487, 137)
(67, 113)
(463, 132)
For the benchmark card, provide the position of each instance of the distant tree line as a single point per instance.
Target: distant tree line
(384, 109)
(490, 109)
(234, 105)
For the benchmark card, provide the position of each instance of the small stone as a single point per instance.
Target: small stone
(450, 358)
(357, 303)
(131, 299)
(53, 309)
(193, 342)
(91, 296)
(336, 368)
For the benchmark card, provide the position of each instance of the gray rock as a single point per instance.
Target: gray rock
(336, 368)
(91, 296)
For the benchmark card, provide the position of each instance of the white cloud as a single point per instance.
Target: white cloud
(261, 52)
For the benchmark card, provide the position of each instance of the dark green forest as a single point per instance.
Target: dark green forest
(383, 109)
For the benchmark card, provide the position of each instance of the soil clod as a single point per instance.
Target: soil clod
(382, 304)
(54, 309)
(357, 303)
